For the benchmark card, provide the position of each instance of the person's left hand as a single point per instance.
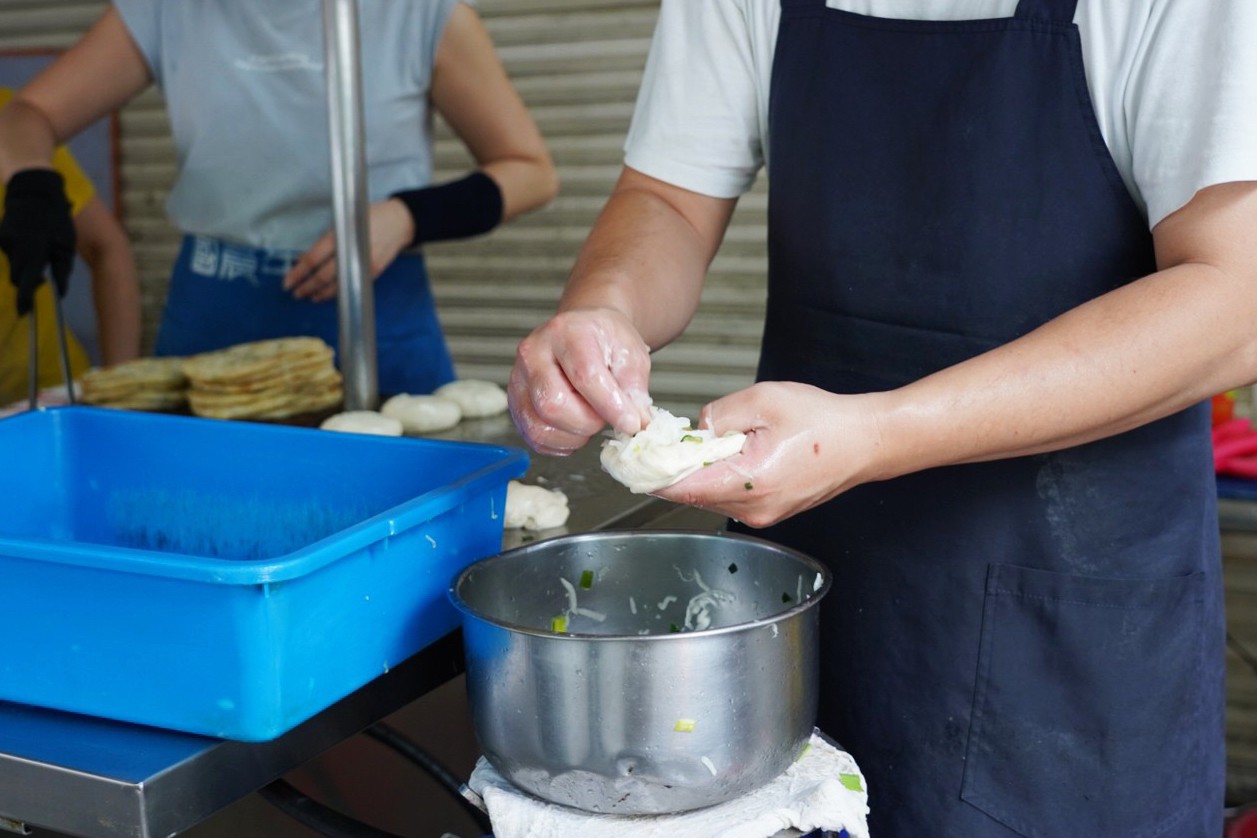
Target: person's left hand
(314, 277)
(804, 446)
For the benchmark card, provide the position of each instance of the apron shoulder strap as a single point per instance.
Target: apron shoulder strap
(1057, 11)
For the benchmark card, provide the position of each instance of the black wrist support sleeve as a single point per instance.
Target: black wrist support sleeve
(455, 210)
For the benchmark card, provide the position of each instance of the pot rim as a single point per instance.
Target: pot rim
(812, 601)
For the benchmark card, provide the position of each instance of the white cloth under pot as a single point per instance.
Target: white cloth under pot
(823, 789)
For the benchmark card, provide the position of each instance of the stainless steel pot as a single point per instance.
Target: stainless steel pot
(641, 672)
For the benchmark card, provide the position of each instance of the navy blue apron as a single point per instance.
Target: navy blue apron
(222, 294)
(1026, 647)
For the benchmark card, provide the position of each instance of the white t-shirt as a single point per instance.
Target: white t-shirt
(247, 98)
(1174, 83)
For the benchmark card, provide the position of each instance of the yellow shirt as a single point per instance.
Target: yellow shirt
(14, 330)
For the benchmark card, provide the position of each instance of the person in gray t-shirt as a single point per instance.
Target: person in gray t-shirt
(246, 95)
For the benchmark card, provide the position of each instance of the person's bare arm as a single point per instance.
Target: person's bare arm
(647, 255)
(634, 287)
(1139, 353)
(1136, 354)
(96, 76)
(471, 90)
(106, 249)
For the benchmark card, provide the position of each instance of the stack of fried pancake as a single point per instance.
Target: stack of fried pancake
(268, 379)
(142, 384)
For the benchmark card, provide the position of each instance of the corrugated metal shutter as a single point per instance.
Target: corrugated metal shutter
(577, 64)
(45, 23)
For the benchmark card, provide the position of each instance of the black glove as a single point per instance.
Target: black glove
(37, 232)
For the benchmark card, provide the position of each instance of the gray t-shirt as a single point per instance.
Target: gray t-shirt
(245, 89)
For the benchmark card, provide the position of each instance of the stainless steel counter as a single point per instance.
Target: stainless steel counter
(97, 778)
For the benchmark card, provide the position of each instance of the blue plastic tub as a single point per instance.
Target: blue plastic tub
(227, 578)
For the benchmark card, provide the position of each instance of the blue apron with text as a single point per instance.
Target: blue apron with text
(223, 293)
(1033, 646)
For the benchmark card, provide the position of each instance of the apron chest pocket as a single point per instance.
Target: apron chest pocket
(1086, 715)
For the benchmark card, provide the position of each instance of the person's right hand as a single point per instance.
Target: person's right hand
(37, 233)
(315, 274)
(576, 373)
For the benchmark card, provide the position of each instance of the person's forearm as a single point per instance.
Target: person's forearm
(647, 261)
(1134, 355)
(526, 184)
(639, 260)
(106, 250)
(118, 310)
(116, 298)
(26, 139)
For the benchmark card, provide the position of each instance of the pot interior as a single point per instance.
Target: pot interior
(640, 584)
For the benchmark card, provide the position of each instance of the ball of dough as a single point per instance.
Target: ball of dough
(363, 422)
(665, 451)
(533, 507)
(477, 398)
(423, 414)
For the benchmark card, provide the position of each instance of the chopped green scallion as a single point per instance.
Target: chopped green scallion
(558, 624)
(587, 579)
(851, 781)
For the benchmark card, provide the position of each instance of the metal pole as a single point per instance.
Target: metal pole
(349, 195)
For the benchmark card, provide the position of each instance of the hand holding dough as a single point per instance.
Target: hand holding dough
(665, 451)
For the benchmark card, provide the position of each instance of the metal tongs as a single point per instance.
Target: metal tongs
(61, 345)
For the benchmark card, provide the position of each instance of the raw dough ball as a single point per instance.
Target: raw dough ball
(423, 414)
(534, 507)
(476, 398)
(665, 451)
(363, 422)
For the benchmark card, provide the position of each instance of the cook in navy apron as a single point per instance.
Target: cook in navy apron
(222, 294)
(1025, 647)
